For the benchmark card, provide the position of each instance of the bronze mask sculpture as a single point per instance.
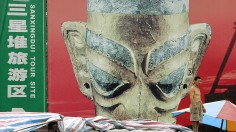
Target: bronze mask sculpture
(132, 58)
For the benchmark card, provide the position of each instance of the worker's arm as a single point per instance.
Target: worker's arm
(204, 110)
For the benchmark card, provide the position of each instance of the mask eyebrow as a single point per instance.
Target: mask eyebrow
(98, 60)
(109, 48)
(168, 50)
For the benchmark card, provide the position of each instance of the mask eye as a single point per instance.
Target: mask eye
(168, 86)
(102, 79)
(106, 84)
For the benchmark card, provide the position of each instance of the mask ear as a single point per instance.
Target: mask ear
(200, 35)
(74, 34)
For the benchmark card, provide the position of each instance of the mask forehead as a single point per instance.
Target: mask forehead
(139, 32)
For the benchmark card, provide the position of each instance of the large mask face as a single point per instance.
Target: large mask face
(132, 58)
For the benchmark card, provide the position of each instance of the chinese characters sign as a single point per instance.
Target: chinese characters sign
(23, 55)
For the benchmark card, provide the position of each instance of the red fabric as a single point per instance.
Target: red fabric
(228, 112)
